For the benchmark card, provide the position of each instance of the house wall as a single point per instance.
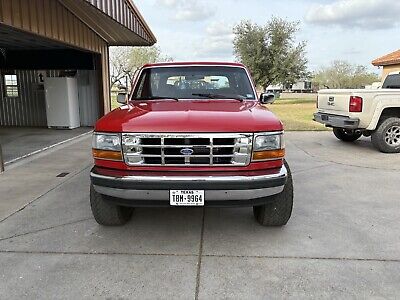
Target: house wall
(389, 69)
(88, 95)
(29, 108)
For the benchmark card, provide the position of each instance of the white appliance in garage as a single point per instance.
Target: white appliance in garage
(62, 105)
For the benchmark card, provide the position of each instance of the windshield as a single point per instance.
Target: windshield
(194, 83)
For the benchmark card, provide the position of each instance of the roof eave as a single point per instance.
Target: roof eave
(113, 32)
(385, 63)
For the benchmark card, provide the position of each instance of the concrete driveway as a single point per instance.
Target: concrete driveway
(343, 240)
(20, 142)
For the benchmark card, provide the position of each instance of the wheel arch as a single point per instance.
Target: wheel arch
(390, 112)
(382, 113)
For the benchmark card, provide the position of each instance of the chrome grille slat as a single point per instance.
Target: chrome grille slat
(166, 156)
(193, 146)
(164, 149)
(211, 151)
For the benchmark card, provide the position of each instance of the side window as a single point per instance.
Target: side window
(11, 86)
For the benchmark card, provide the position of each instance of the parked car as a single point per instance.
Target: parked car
(191, 134)
(368, 112)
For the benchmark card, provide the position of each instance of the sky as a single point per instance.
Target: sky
(357, 31)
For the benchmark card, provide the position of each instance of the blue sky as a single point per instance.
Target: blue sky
(354, 30)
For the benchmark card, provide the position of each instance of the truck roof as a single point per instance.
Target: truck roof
(197, 63)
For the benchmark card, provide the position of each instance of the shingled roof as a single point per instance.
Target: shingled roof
(387, 60)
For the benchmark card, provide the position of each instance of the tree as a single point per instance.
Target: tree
(343, 75)
(271, 52)
(125, 61)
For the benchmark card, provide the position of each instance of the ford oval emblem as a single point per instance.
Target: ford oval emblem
(187, 151)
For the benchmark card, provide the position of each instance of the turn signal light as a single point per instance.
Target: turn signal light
(356, 104)
(107, 154)
(268, 155)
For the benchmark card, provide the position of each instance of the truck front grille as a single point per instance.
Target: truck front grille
(187, 149)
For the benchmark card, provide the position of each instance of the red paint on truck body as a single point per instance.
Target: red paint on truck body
(119, 165)
(190, 116)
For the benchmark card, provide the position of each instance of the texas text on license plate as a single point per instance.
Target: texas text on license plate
(186, 197)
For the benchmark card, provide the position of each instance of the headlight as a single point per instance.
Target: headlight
(268, 142)
(107, 146)
(106, 141)
(268, 146)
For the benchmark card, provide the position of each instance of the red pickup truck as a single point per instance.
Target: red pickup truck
(191, 134)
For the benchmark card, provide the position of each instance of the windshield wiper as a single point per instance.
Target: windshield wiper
(156, 98)
(216, 96)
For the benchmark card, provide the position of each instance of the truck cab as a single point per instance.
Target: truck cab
(191, 134)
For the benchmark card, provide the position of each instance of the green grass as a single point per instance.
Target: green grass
(294, 101)
(114, 103)
(296, 114)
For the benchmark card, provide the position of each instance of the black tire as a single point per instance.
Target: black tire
(106, 213)
(278, 209)
(346, 135)
(381, 138)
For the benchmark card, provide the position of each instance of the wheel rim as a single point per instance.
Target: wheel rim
(392, 136)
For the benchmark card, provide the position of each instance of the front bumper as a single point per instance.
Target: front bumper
(330, 120)
(221, 190)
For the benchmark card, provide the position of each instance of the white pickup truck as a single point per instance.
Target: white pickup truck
(368, 112)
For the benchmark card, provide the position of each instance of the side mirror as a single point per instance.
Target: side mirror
(267, 98)
(121, 98)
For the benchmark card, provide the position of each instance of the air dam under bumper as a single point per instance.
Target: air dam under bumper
(219, 191)
(336, 121)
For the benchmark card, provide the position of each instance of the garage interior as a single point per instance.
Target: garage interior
(54, 65)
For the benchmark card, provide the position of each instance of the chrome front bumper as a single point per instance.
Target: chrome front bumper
(216, 188)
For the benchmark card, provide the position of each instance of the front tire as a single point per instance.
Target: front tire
(386, 138)
(106, 213)
(278, 209)
(346, 135)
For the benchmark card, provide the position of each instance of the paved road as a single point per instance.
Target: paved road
(343, 240)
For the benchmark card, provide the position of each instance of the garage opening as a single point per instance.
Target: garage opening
(49, 88)
(54, 67)
(49, 92)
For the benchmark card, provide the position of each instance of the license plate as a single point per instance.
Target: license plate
(324, 118)
(186, 197)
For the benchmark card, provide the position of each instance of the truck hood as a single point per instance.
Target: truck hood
(159, 116)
